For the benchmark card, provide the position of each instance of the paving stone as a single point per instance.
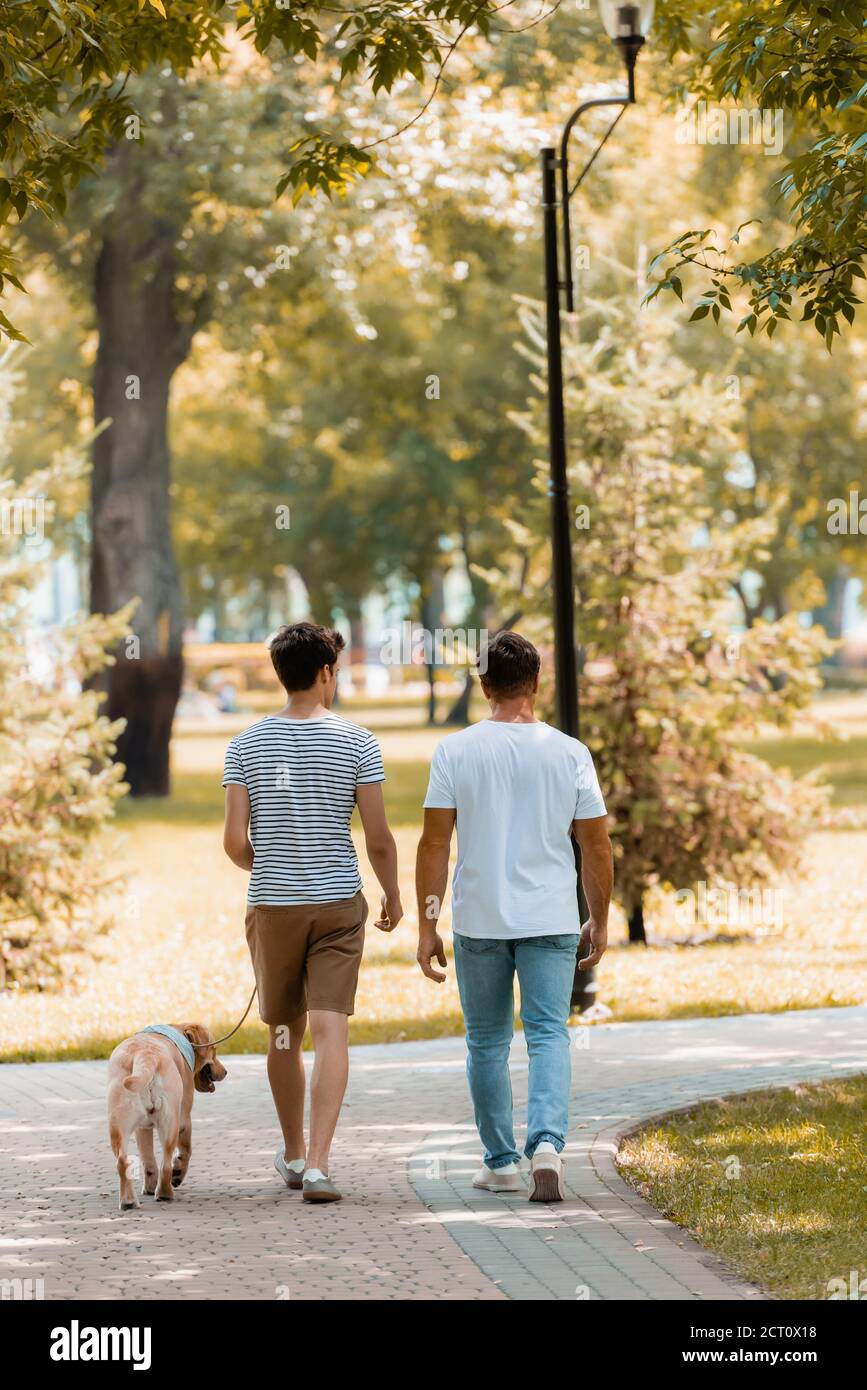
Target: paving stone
(649, 1069)
(412, 1226)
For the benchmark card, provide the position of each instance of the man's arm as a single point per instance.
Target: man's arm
(236, 839)
(431, 881)
(381, 851)
(597, 875)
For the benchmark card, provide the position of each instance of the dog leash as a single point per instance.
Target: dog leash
(217, 1041)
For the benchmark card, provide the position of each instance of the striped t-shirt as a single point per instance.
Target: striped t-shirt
(301, 776)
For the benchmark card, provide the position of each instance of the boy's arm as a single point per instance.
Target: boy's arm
(431, 881)
(236, 838)
(381, 851)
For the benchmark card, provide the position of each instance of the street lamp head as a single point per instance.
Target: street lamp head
(626, 21)
(627, 25)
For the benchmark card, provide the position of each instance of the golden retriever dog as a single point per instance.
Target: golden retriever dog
(151, 1080)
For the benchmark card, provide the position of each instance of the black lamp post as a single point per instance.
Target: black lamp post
(627, 24)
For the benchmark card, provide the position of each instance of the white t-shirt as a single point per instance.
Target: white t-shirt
(516, 789)
(301, 775)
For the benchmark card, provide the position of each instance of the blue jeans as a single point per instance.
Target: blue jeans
(486, 979)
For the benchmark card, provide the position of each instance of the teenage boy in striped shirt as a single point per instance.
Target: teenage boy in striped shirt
(292, 782)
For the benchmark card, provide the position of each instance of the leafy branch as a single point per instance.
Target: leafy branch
(807, 58)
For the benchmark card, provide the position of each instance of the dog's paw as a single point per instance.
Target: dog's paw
(177, 1177)
(128, 1206)
(167, 1196)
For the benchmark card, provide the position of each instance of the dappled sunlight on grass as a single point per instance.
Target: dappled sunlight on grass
(180, 954)
(178, 951)
(841, 763)
(775, 1182)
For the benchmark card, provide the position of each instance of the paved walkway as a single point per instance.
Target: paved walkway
(413, 1227)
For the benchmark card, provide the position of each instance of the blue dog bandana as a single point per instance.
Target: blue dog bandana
(184, 1046)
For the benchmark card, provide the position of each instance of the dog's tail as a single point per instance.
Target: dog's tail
(140, 1077)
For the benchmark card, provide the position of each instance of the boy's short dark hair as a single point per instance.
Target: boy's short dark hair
(300, 650)
(511, 665)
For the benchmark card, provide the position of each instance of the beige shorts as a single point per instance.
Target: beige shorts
(306, 956)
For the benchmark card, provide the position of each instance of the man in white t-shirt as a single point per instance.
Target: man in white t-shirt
(518, 790)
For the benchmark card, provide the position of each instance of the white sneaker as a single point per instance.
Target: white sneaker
(546, 1174)
(506, 1179)
(291, 1171)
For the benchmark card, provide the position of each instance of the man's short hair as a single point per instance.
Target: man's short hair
(300, 650)
(512, 665)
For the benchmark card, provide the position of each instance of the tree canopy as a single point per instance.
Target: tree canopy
(806, 59)
(65, 70)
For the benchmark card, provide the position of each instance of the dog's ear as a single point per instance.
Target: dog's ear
(196, 1034)
(201, 1040)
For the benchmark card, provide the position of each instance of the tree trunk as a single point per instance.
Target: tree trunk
(319, 604)
(479, 587)
(636, 924)
(779, 605)
(265, 610)
(431, 620)
(830, 615)
(460, 710)
(218, 609)
(750, 610)
(357, 642)
(141, 344)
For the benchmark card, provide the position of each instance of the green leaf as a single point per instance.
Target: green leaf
(11, 331)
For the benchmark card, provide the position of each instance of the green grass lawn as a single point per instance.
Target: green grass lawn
(843, 765)
(195, 801)
(775, 1182)
(184, 956)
